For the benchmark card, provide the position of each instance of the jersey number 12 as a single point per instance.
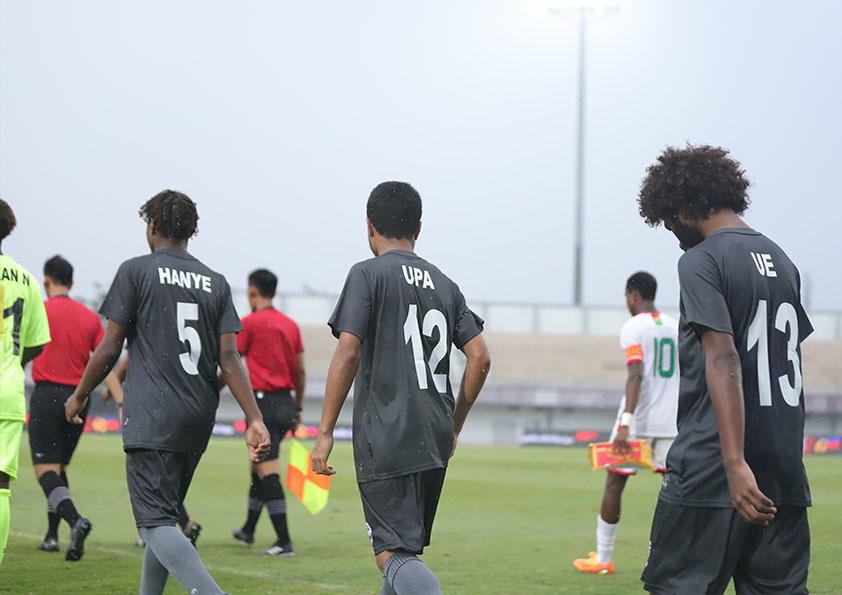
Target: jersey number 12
(786, 320)
(412, 335)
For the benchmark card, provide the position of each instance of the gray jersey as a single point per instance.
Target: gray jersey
(407, 314)
(737, 281)
(174, 309)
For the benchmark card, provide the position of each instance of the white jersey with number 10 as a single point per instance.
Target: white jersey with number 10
(652, 338)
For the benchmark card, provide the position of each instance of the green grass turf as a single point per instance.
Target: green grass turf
(511, 520)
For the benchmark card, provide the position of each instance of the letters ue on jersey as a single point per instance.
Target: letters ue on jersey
(174, 308)
(408, 315)
(739, 282)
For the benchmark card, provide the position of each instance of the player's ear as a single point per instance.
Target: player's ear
(370, 226)
(417, 231)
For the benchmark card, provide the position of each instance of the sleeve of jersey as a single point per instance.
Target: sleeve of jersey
(299, 344)
(243, 338)
(353, 309)
(702, 295)
(468, 324)
(228, 321)
(805, 327)
(630, 341)
(120, 304)
(37, 328)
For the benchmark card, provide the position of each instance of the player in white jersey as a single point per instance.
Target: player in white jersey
(647, 410)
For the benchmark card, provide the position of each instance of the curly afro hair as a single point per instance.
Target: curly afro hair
(694, 182)
(173, 215)
(7, 219)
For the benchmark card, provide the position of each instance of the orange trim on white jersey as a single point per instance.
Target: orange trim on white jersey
(634, 353)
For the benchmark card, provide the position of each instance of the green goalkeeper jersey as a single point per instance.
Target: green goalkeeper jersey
(23, 324)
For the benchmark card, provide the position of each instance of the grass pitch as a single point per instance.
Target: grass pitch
(511, 520)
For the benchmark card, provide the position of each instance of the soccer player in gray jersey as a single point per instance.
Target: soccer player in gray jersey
(733, 501)
(180, 324)
(396, 320)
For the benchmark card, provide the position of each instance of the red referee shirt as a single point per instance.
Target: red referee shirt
(270, 340)
(76, 331)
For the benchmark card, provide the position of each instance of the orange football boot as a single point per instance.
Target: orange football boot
(592, 565)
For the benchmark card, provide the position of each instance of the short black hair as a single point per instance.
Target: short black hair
(264, 281)
(7, 219)
(694, 182)
(394, 209)
(173, 215)
(59, 270)
(644, 284)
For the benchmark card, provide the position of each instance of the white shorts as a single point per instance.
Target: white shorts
(660, 447)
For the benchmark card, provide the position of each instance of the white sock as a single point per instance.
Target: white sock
(604, 540)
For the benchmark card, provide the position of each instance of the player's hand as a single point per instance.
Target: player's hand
(258, 441)
(72, 406)
(296, 423)
(750, 502)
(320, 454)
(455, 439)
(105, 395)
(621, 444)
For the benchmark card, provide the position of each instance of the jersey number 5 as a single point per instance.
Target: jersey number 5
(16, 312)
(758, 334)
(189, 361)
(412, 335)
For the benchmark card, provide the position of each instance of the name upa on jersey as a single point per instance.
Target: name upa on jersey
(415, 276)
(185, 279)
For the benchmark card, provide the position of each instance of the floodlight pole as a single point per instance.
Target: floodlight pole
(580, 168)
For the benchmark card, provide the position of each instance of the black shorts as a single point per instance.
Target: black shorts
(158, 482)
(399, 511)
(51, 438)
(699, 550)
(278, 409)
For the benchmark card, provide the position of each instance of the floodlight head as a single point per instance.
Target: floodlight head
(587, 9)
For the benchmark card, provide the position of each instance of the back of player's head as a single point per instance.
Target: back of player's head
(644, 284)
(173, 215)
(7, 219)
(264, 281)
(394, 209)
(695, 182)
(59, 270)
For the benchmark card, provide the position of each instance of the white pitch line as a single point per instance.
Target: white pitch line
(210, 567)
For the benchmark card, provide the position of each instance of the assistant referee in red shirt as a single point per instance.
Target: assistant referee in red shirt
(271, 344)
(76, 331)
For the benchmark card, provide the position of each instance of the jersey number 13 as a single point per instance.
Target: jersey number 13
(786, 321)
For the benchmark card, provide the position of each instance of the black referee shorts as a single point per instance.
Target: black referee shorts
(699, 550)
(51, 438)
(278, 409)
(399, 512)
(158, 481)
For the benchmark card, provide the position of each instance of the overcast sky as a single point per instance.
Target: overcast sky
(278, 118)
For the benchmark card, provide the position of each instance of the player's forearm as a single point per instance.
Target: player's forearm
(632, 393)
(102, 361)
(114, 387)
(476, 371)
(340, 376)
(300, 383)
(235, 376)
(724, 381)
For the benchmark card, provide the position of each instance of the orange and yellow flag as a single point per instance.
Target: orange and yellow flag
(310, 488)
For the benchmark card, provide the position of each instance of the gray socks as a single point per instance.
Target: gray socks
(168, 551)
(407, 575)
